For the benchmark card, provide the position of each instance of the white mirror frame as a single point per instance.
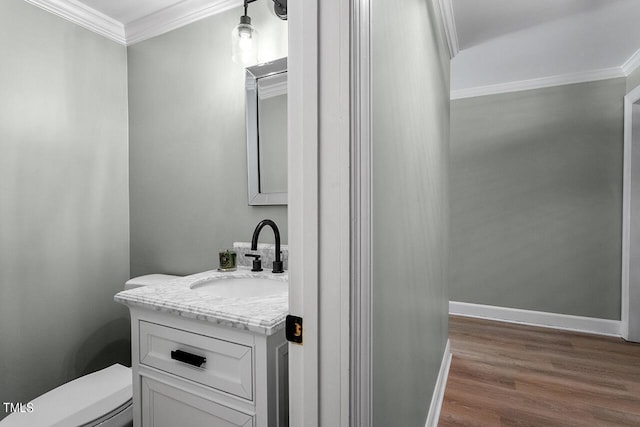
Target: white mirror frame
(253, 74)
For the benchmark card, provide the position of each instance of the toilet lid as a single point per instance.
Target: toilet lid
(79, 402)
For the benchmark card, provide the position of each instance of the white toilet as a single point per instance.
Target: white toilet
(102, 398)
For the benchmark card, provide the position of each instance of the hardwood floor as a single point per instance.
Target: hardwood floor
(504, 374)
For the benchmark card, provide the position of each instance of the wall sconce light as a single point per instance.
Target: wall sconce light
(244, 40)
(280, 8)
(244, 37)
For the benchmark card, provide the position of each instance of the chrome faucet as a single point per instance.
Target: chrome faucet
(277, 264)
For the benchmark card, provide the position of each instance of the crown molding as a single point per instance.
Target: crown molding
(165, 20)
(446, 9)
(175, 16)
(558, 80)
(84, 16)
(632, 63)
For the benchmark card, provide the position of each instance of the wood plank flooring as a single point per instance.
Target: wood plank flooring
(504, 374)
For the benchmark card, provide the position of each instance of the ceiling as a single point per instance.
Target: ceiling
(496, 45)
(511, 44)
(126, 11)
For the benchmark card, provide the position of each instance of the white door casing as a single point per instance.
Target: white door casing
(302, 149)
(361, 210)
(630, 298)
(319, 215)
(334, 211)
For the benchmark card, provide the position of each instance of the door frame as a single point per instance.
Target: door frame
(319, 210)
(361, 213)
(302, 187)
(631, 98)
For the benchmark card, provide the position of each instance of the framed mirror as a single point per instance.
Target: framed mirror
(266, 91)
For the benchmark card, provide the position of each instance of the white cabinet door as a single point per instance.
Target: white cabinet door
(166, 406)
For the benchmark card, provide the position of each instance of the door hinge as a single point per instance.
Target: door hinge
(293, 329)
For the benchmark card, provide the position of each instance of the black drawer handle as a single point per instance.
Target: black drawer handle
(191, 359)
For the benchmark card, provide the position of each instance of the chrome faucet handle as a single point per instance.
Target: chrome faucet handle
(257, 263)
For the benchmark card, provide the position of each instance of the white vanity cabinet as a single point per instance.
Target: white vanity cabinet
(192, 373)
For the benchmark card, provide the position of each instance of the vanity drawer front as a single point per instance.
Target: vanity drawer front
(228, 366)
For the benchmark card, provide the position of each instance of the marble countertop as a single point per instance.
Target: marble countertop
(263, 315)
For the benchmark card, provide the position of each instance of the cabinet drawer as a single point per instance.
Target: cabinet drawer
(228, 366)
(166, 406)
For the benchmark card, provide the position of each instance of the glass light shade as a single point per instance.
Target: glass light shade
(244, 43)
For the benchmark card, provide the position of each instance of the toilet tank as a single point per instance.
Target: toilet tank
(103, 396)
(149, 279)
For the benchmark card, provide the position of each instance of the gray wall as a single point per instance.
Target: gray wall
(633, 80)
(188, 173)
(536, 199)
(64, 225)
(410, 91)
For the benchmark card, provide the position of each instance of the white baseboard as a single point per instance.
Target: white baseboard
(438, 392)
(567, 322)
